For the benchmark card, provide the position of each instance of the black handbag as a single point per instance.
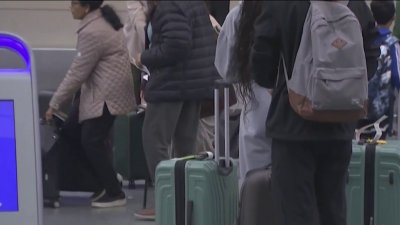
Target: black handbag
(49, 131)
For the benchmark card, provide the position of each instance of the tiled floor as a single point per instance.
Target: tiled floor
(75, 210)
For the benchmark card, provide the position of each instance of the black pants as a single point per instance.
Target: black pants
(308, 181)
(92, 134)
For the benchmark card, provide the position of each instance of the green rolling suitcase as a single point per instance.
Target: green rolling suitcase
(355, 186)
(129, 158)
(373, 185)
(121, 145)
(195, 191)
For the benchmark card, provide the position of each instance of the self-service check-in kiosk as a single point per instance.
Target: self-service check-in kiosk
(20, 165)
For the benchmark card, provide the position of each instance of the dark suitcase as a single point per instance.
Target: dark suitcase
(49, 133)
(129, 158)
(63, 157)
(255, 204)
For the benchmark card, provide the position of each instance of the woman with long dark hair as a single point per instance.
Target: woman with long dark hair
(100, 71)
(237, 37)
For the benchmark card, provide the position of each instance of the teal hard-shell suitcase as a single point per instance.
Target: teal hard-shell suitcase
(373, 184)
(355, 186)
(193, 191)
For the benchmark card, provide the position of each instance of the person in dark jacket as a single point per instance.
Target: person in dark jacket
(309, 159)
(182, 73)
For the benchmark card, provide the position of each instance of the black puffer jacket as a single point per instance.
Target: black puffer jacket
(181, 57)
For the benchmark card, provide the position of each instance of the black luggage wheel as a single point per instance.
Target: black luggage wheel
(132, 184)
(51, 203)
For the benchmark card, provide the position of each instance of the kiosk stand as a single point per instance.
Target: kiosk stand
(21, 201)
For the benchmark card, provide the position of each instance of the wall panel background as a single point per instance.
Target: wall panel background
(46, 24)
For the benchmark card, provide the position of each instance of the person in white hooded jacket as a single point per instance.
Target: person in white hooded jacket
(254, 145)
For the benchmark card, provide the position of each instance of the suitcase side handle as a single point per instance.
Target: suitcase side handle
(377, 128)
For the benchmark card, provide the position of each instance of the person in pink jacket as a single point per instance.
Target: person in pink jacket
(135, 33)
(134, 29)
(100, 71)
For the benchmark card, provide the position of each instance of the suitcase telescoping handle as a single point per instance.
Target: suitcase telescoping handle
(221, 84)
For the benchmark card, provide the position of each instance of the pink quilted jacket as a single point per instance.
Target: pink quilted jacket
(100, 69)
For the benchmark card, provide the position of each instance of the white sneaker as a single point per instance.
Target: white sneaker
(106, 201)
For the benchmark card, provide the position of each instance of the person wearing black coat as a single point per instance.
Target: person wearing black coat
(309, 159)
(182, 72)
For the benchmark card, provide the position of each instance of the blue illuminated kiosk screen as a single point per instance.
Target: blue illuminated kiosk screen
(8, 161)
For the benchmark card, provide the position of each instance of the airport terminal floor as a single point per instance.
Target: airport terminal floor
(75, 210)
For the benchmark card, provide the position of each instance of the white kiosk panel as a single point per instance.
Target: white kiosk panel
(20, 164)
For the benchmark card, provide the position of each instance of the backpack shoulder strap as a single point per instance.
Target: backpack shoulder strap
(390, 40)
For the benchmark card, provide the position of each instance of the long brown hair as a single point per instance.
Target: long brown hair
(244, 41)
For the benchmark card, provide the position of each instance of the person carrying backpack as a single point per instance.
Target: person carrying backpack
(382, 86)
(295, 48)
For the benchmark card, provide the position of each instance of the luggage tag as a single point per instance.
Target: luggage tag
(379, 142)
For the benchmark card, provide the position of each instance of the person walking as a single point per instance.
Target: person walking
(101, 71)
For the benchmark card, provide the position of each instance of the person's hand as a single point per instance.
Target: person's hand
(141, 94)
(138, 60)
(142, 101)
(49, 114)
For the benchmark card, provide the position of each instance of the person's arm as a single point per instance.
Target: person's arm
(372, 51)
(226, 44)
(394, 55)
(176, 37)
(370, 34)
(88, 54)
(134, 29)
(265, 54)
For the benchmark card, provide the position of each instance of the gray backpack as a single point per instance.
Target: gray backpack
(329, 81)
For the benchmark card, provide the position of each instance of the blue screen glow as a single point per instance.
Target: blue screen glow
(8, 161)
